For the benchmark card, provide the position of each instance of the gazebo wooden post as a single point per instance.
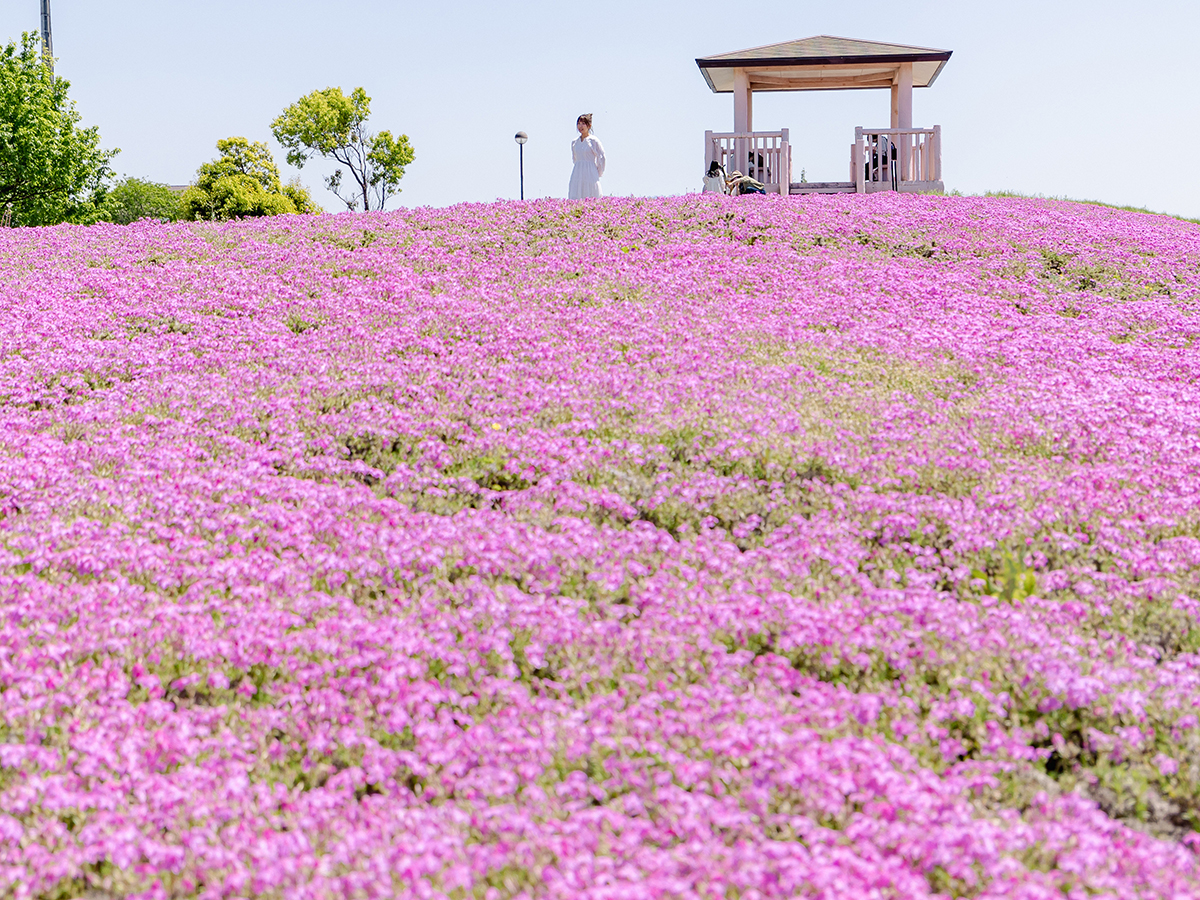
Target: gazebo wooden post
(902, 88)
(743, 100)
(743, 118)
(858, 162)
(937, 153)
(784, 176)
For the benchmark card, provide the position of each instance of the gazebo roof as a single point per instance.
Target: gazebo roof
(822, 63)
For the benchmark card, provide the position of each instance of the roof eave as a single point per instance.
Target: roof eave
(706, 62)
(832, 87)
(937, 72)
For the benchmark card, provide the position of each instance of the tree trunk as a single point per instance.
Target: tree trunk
(362, 181)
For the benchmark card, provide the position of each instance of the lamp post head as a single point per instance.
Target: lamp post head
(521, 137)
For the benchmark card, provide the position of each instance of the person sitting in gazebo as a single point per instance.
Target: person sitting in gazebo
(714, 180)
(744, 184)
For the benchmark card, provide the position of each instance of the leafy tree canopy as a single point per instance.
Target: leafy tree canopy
(132, 199)
(242, 182)
(50, 168)
(329, 124)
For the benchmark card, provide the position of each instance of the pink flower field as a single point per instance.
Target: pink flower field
(702, 547)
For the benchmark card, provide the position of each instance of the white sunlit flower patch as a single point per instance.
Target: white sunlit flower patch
(684, 548)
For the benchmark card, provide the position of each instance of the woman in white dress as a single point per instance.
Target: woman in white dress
(588, 155)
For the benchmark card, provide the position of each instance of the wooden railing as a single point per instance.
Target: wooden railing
(765, 156)
(896, 159)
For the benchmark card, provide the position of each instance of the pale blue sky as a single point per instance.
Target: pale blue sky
(1094, 99)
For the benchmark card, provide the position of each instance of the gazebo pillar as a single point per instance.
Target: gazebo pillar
(902, 88)
(743, 102)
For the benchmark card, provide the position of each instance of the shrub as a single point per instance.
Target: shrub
(243, 182)
(132, 199)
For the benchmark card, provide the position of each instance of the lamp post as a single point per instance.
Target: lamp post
(521, 137)
(47, 42)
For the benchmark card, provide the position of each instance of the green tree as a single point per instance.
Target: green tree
(132, 199)
(242, 182)
(51, 170)
(331, 125)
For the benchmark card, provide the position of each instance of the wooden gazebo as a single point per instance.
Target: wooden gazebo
(900, 157)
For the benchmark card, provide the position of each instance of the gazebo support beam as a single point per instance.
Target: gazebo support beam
(761, 82)
(902, 88)
(743, 101)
